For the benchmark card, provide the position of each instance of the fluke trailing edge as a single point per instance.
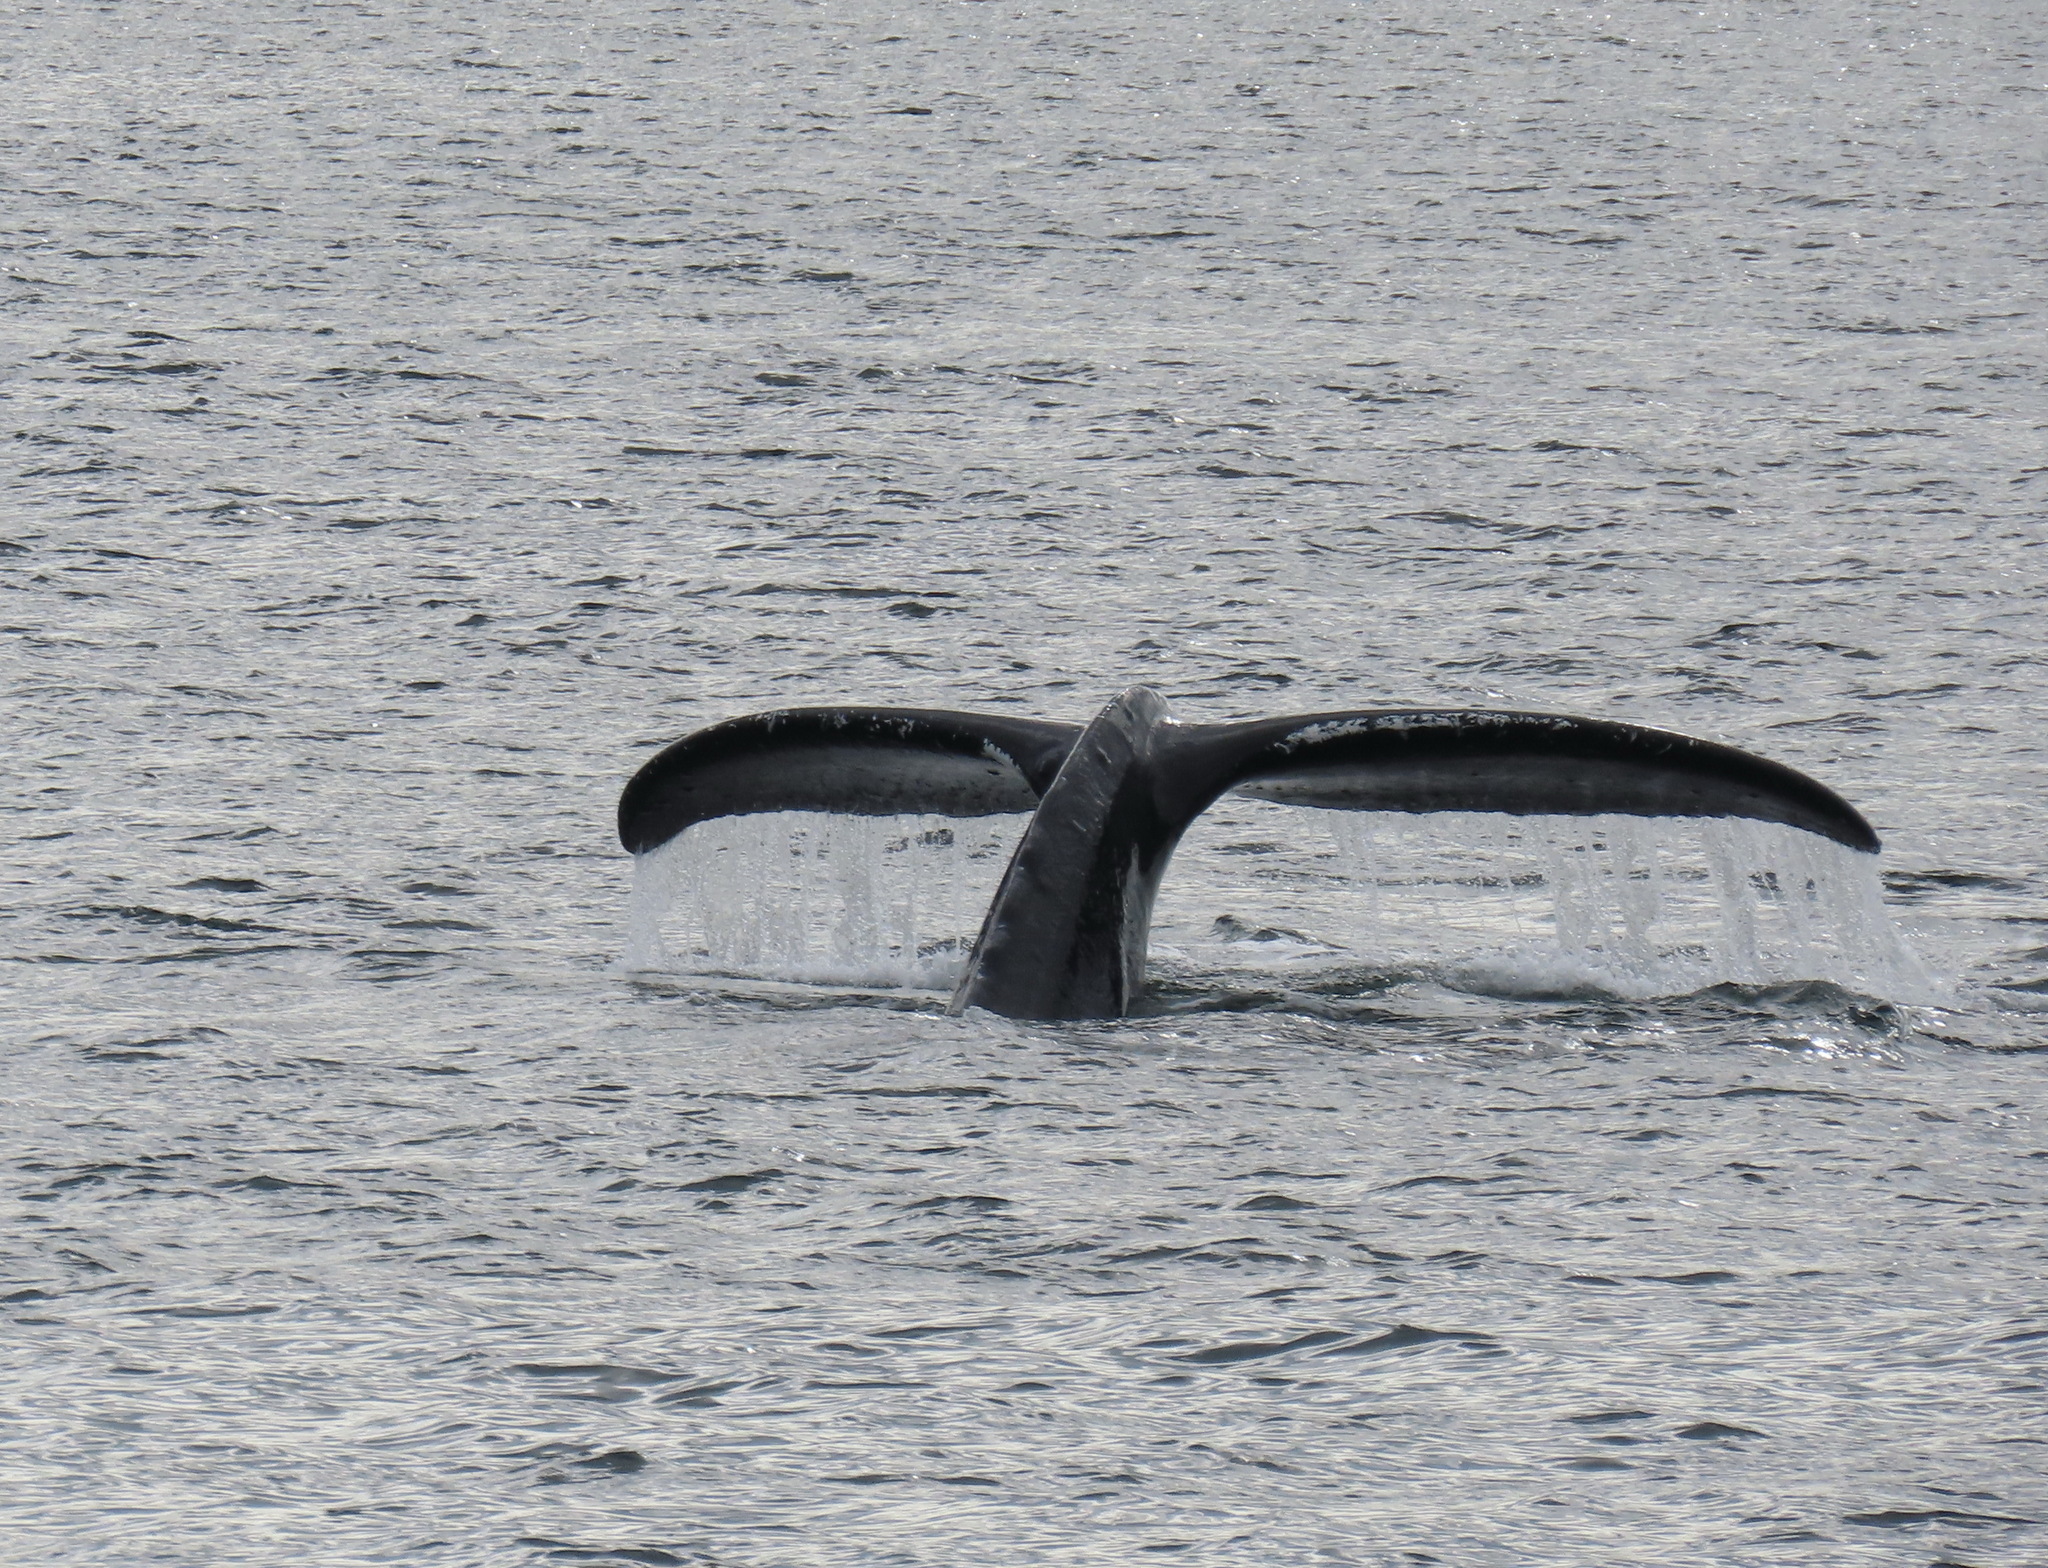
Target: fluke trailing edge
(1065, 936)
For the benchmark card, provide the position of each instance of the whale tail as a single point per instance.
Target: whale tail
(1066, 933)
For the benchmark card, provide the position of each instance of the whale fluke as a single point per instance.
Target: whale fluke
(1525, 764)
(862, 761)
(1066, 933)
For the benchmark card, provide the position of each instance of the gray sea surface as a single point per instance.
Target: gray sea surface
(418, 413)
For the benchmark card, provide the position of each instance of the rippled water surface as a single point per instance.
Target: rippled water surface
(420, 412)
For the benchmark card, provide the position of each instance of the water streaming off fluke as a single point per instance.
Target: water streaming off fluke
(1628, 906)
(1625, 906)
(801, 895)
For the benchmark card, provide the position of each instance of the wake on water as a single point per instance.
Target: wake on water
(1627, 907)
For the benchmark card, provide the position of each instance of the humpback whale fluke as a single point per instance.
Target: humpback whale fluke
(1066, 933)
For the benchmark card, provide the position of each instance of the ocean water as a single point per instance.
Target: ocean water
(419, 413)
